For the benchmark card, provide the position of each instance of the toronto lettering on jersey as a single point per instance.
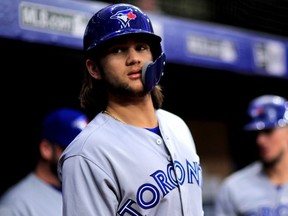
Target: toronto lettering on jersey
(164, 183)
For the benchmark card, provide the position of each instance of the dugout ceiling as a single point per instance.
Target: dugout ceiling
(186, 42)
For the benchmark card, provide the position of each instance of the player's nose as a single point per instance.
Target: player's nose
(133, 56)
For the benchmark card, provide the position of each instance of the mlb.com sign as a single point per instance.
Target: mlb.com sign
(50, 19)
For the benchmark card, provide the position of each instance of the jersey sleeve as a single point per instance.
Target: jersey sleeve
(7, 211)
(84, 193)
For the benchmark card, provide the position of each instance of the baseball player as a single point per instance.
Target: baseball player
(39, 193)
(133, 158)
(261, 188)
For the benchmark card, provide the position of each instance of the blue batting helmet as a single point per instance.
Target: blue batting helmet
(267, 112)
(118, 20)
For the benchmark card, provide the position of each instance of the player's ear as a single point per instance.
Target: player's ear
(45, 149)
(93, 69)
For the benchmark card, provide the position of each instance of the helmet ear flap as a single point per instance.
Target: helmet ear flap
(152, 72)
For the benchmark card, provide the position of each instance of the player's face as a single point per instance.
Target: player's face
(122, 64)
(273, 145)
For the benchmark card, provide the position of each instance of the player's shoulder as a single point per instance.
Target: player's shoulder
(19, 191)
(165, 114)
(101, 129)
(171, 121)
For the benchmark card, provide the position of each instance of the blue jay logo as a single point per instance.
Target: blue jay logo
(124, 16)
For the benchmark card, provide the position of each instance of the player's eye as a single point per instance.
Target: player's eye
(115, 49)
(142, 46)
(266, 131)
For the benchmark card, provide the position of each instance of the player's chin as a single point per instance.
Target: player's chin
(139, 90)
(268, 158)
(137, 86)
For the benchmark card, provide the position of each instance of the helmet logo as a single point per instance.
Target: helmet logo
(124, 16)
(257, 112)
(79, 123)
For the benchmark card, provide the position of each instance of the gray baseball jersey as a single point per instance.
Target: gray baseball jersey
(113, 168)
(248, 192)
(31, 197)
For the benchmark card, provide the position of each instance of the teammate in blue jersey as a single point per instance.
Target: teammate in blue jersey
(133, 158)
(39, 193)
(261, 188)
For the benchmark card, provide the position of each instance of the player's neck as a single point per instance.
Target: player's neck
(43, 172)
(137, 114)
(278, 173)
